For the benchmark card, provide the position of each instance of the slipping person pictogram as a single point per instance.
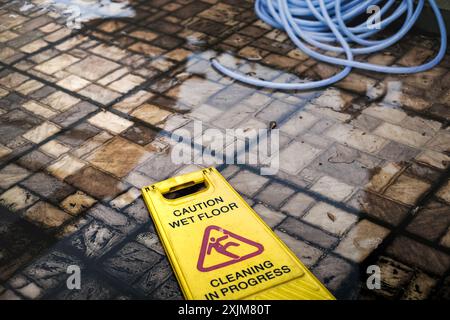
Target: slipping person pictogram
(221, 248)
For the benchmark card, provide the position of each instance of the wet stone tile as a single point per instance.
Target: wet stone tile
(97, 183)
(419, 288)
(77, 203)
(112, 218)
(14, 124)
(45, 215)
(275, 199)
(118, 157)
(330, 218)
(169, 290)
(379, 207)
(306, 232)
(50, 270)
(140, 134)
(131, 262)
(95, 239)
(93, 68)
(78, 135)
(407, 190)
(74, 114)
(34, 160)
(361, 241)
(92, 289)
(333, 272)
(431, 221)
(48, 186)
(17, 198)
(419, 255)
(153, 278)
(11, 174)
(394, 277)
(307, 254)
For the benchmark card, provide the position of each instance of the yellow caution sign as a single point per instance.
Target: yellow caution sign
(219, 247)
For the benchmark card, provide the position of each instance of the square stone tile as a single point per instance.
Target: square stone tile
(60, 101)
(41, 132)
(382, 177)
(379, 207)
(93, 68)
(17, 198)
(11, 174)
(35, 160)
(46, 215)
(151, 114)
(307, 254)
(126, 83)
(334, 272)
(34, 46)
(65, 167)
(92, 144)
(332, 188)
(133, 101)
(394, 277)
(431, 221)
(15, 123)
(419, 255)
(97, 183)
(77, 203)
(298, 204)
(434, 159)
(306, 152)
(99, 94)
(73, 83)
(112, 218)
(111, 122)
(126, 198)
(39, 109)
(407, 190)
(361, 241)
(131, 262)
(54, 148)
(356, 138)
(56, 64)
(420, 287)
(271, 218)
(248, 183)
(330, 218)
(118, 157)
(444, 192)
(48, 186)
(95, 239)
(275, 194)
(303, 231)
(402, 135)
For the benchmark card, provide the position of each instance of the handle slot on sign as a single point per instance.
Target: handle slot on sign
(185, 189)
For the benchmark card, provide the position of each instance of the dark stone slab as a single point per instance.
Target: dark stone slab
(419, 255)
(303, 231)
(432, 221)
(131, 262)
(48, 186)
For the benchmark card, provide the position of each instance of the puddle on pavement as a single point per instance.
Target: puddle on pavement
(78, 12)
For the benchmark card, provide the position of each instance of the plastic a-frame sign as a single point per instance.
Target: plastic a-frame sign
(219, 248)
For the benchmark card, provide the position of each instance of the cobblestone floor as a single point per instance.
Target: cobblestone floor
(85, 121)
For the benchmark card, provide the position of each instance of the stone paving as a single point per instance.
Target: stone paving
(85, 121)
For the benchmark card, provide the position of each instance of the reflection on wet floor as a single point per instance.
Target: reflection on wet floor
(87, 116)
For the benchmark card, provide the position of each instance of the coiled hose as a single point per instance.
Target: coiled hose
(322, 24)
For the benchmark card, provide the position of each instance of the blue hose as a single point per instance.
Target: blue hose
(322, 24)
